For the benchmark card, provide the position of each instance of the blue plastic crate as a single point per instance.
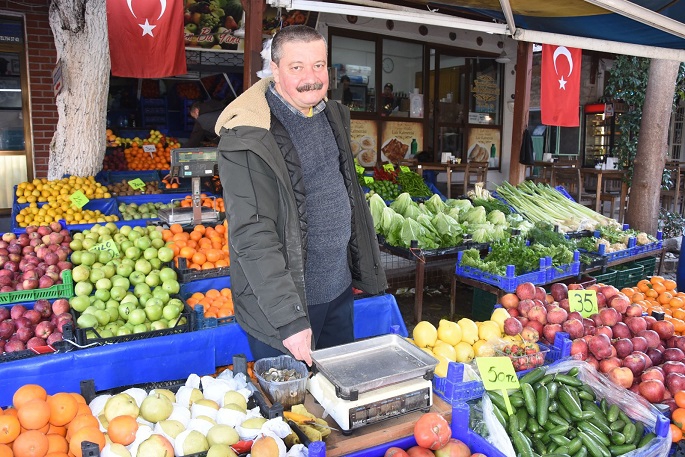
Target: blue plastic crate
(144, 175)
(563, 192)
(454, 390)
(107, 206)
(507, 283)
(500, 198)
(564, 271)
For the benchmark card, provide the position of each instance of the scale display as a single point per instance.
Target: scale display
(193, 162)
(195, 156)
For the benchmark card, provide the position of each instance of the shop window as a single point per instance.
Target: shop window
(485, 99)
(401, 62)
(353, 77)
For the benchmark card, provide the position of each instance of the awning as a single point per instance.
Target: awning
(646, 28)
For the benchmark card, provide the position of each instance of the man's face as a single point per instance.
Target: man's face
(194, 113)
(387, 91)
(301, 77)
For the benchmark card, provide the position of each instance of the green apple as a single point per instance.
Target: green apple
(143, 266)
(102, 283)
(110, 270)
(78, 236)
(172, 286)
(83, 288)
(96, 274)
(124, 270)
(80, 273)
(113, 313)
(136, 316)
(104, 333)
(153, 312)
(119, 238)
(90, 310)
(87, 244)
(133, 252)
(75, 245)
(111, 304)
(143, 299)
(87, 321)
(159, 325)
(125, 230)
(102, 316)
(170, 312)
(76, 257)
(156, 263)
(137, 277)
(154, 301)
(140, 328)
(143, 243)
(167, 274)
(104, 257)
(98, 304)
(79, 303)
(117, 293)
(102, 294)
(125, 310)
(164, 254)
(150, 253)
(112, 227)
(161, 294)
(177, 303)
(112, 327)
(153, 280)
(133, 236)
(122, 282)
(141, 289)
(130, 298)
(123, 330)
(125, 245)
(158, 243)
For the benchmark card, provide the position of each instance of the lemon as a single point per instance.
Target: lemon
(445, 350)
(489, 330)
(482, 348)
(449, 332)
(469, 331)
(441, 367)
(500, 315)
(464, 352)
(425, 334)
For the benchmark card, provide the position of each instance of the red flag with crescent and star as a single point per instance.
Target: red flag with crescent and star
(560, 85)
(146, 38)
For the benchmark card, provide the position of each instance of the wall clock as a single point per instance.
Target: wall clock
(388, 65)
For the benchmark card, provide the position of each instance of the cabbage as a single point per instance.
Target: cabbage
(482, 232)
(392, 236)
(425, 221)
(462, 204)
(435, 204)
(386, 219)
(412, 230)
(401, 203)
(474, 216)
(449, 229)
(377, 205)
(497, 217)
(412, 212)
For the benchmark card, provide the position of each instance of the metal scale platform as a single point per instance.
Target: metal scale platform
(194, 163)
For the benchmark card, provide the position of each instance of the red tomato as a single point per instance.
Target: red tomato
(418, 451)
(454, 448)
(432, 431)
(395, 452)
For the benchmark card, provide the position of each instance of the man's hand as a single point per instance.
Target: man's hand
(172, 180)
(300, 345)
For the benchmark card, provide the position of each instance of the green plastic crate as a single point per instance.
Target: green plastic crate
(64, 290)
(628, 275)
(483, 304)
(608, 278)
(649, 263)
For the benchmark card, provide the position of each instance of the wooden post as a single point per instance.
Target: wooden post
(524, 70)
(254, 12)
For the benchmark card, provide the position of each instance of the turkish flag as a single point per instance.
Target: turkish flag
(560, 85)
(146, 38)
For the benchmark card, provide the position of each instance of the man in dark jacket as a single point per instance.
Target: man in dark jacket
(300, 231)
(205, 115)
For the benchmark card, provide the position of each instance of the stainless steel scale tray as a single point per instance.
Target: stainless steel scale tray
(365, 365)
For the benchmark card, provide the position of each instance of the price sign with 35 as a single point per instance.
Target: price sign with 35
(583, 301)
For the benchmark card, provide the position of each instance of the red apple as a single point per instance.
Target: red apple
(606, 365)
(655, 355)
(556, 315)
(623, 347)
(621, 376)
(549, 331)
(633, 310)
(664, 329)
(639, 343)
(621, 330)
(608, 316)
(635, 362)
(579, 349)
(653, 373)
(525, 291)
(675, 382)
(652, 338)
(652, 390)
(559, 291)
(574, 328)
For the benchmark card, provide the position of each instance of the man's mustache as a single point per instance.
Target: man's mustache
(308, 87)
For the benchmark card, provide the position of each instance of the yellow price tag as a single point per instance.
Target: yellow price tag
(498, 373)
(79, 199)
(583, 301)
(359, 169)
(108, 245)
(388, 167)
(368, 180)
(136, 184)
(404, 169)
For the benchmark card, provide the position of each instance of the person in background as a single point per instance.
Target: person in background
(346, 91)
(387, 99)
(205, 115)
(300, 232)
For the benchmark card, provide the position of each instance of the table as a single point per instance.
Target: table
(608, 174)
(447, 168)
(168, 357)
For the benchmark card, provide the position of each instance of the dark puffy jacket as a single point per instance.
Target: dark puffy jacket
(264, 195)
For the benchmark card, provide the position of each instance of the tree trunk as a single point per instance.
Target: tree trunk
(80, 31)
(650, 159)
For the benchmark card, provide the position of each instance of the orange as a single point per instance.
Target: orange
(11, 412)
(212, 293)
(92, 434)
(676, 302)
(670, 284)
(176, 228)
(226, 292)
(57, 443)
(122, 430)
(56, 430)
(222, 263)
(644, 285)
(28, 392)
(199, 258)
(187, 252)
(207, 266)
(34, 414)
(676, 433)
(195, 235)
(9, 429)
(679, 398)
(63, 408)
(213, 255)
(651, 293)
(664, 298)
(5, 451)
(79, 422)
(83, 409)
(678, 417)
(659, 287)
(78, 397)
(655, 279)
(30, 444)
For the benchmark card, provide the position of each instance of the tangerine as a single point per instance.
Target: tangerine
(679, 398)
(92, 434)
(678, 417)
(63, 408)
(676, 433)
(30, 444)
(34, 414)
(28, 392)
(57, 443)
(5, 451)
(122, 430)
(9, 429)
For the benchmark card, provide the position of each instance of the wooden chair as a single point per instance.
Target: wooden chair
(475, 172)
(571, 179)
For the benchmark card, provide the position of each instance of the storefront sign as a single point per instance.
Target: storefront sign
(398, 138)
(484, 146)
(486, 93)
(211, 25)
(479, 118)
(363, 136)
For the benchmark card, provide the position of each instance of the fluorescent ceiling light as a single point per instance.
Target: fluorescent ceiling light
(643, 15)
(426, 18)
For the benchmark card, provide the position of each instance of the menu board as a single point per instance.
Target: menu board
(397, 140)
(484, 146)
(364, 136)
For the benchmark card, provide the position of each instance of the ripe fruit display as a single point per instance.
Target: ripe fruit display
(32, 429)
(216, 303)
(25, 327)
(103, 279)
(123, 188)
(42, 190)
(133, 211)
(434, 438)
(210, 202)
(204, 248)
(660, 294)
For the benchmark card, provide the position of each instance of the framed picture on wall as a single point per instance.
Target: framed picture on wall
(484, 145)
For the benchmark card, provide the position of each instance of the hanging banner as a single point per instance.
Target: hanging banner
(212, 25)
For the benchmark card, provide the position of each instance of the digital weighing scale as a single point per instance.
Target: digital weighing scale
(194, 163)
(372, 380)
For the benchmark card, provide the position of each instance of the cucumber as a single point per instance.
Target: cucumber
(592, 430)
(558, 453)
(594, 447)
(561, 440)
(539, 447)
(542, 401)
(646, 439)
(552, 388)
(569, 402)
(533, 376)
(516, 400)
(558, 430)
(639, 431)
(563, 412)
(557, 420)
(522, 445)
(575, 445)
(547, 379)
(573, 371)
(629, 431)
(597, 422)
(497, 400)
(533, 426)
(549, 425)
(500, 416)
(622, 449)
(522, 419)
(582, 452)
(618, 438)
(585, 395)
(553, 406)
(617, 425)
(586, 415)
(624, 417)
(612, 413)
(529, 398)
(513, 424)
(569, 380)
(539, 435)
(591, 406)
(604, 405)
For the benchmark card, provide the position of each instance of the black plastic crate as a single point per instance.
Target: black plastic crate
(78, 335)
(186, 274)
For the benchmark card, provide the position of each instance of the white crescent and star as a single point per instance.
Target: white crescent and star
(147, 28)
(563, 51)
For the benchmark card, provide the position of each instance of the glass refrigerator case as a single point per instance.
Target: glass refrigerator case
(600, 132)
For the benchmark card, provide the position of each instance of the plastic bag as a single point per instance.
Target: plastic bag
(636, 407)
